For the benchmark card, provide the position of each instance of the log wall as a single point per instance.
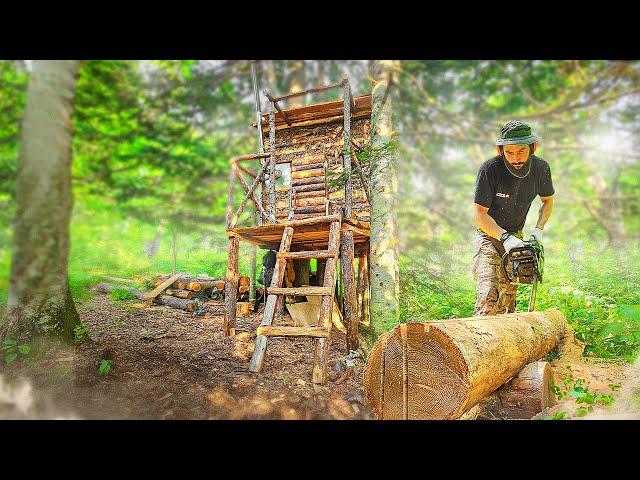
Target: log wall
(314, 154)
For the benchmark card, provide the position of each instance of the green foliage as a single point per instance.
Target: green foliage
(104, 367)
(122, 294)
(12, 351)
(80, 332)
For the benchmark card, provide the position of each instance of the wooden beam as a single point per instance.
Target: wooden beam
(311, 90)
(293, 332)
(148, 297)
(317, 291)
(275, 103)
(249, 156)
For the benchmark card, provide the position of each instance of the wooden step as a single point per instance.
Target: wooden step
(300, 291)
(309, 254)
(292, 331)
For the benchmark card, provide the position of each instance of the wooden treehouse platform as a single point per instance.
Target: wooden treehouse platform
(310, 195)
(311, 236)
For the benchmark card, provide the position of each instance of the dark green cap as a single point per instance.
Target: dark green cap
(516, 132)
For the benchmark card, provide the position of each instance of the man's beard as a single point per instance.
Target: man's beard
(522, 171)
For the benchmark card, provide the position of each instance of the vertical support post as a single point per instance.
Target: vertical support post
(322, 263)
(362, 272)
(272, 160)
(348, 279)
(232, 181)
(231, 287)
(252, 278)
(321, 356)
(346, 149)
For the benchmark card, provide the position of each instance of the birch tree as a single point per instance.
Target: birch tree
(383, 256)
(40, 300)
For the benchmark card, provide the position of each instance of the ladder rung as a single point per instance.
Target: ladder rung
(300, 291)
(292, 331)
(309, 254)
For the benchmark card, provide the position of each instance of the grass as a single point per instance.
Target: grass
(595, 291)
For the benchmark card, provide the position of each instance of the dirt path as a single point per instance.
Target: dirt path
(168, 364)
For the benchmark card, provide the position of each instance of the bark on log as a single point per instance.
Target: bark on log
(316, 187)
(440, 369)
(231, 287)
(316, 209)
(300, 174)
(311, 166)
(348, 278)
(187, 294)
(310, 201)
(308, 181)
(523, 397)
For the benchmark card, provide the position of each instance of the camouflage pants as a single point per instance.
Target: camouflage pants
(494, 293)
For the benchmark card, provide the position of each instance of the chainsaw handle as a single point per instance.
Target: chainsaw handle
(505, 260)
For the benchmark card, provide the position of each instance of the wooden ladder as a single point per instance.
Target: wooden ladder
(321, 332)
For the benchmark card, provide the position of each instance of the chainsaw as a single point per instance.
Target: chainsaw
(527, 264)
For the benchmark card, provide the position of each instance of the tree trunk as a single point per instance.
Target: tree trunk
(523, 397)
(297, 82)
(39, 296)
(383, 257)
(440, 369)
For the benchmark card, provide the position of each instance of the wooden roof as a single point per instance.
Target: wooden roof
(318, 113)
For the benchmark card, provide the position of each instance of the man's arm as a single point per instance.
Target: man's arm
(545, 212)
(486, 223)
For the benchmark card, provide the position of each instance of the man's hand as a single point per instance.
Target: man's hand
(536, 234)
(512, 242)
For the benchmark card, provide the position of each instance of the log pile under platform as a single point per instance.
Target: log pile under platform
(441, 369)
(181, 291)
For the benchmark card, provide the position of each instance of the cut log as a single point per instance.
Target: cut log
(179, 293)
(243, 289)
(316, 209)
(314, 172)
(440, 369)
(188, 305)
(310, 201)
(523, 397)
(311, 166)
(316, 187)
(202, 285)
(308, 181)
(308, 160)
(242, 309)
(244, 281)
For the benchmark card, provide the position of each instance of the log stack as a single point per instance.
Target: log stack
(441, 369)
(182, 293)
(199, 286)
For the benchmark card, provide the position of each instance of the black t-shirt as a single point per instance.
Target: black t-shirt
(509, 197)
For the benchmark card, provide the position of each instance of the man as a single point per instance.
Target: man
(505, 188)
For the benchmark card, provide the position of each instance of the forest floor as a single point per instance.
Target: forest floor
(170, 364)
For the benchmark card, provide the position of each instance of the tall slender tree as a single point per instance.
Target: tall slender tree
(40, 300)
(384, 270)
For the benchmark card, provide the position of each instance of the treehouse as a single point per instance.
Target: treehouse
(310, 198)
